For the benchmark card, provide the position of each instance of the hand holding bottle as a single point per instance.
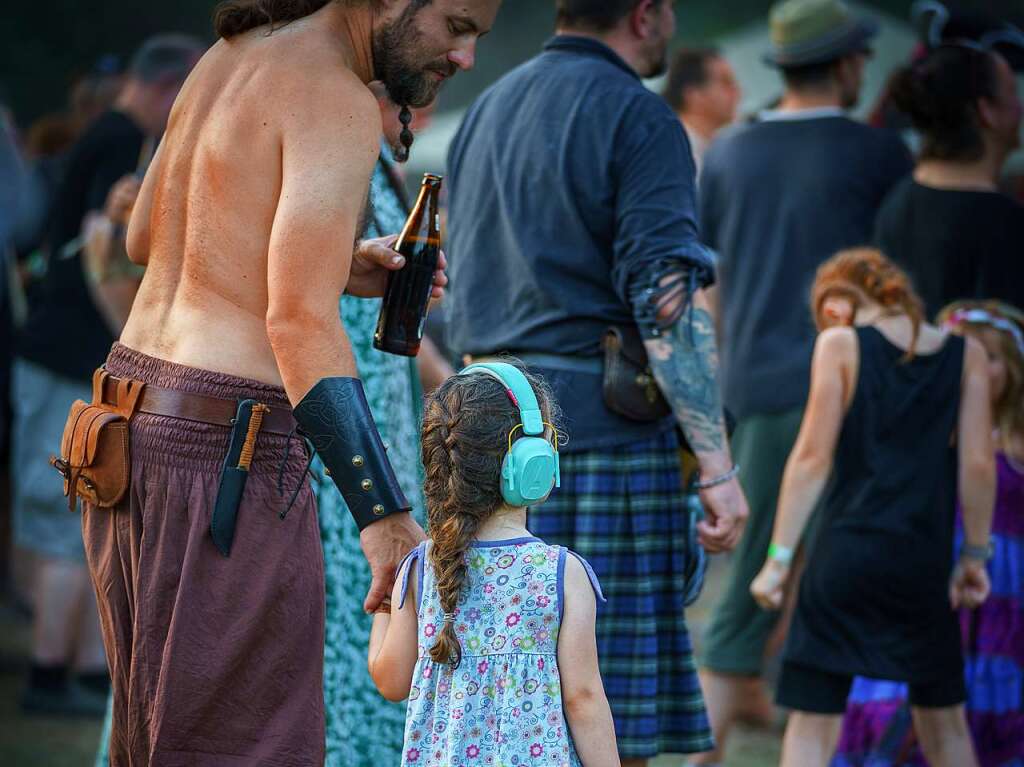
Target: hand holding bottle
(375, 258)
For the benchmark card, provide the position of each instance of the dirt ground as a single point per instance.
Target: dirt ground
(44, 742)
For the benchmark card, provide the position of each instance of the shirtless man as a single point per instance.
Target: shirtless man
(246, 221)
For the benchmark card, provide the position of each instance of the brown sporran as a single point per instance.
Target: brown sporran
(629, 386)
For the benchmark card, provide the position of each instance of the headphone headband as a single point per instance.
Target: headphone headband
(519, 389)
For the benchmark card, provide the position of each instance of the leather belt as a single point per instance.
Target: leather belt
(174, 403)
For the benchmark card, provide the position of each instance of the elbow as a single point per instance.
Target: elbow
(581, 701)
(392, 693)
(809, 465)
(288, 326)
(390, 689)
(978, 467)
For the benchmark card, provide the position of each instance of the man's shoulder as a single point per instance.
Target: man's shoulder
(583, 74)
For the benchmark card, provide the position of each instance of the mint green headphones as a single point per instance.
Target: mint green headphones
(530, 469)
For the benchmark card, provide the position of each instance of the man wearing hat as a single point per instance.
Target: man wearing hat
(780, 194)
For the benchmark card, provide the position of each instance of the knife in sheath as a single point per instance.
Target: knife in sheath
(246, 427)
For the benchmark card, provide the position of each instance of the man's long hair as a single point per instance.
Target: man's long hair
(233, 17)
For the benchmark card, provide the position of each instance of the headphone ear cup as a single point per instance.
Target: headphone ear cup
(529, 471)
(508, 481)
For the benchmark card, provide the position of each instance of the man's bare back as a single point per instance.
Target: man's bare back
(218, 221)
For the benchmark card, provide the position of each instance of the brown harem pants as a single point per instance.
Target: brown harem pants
(215, 661)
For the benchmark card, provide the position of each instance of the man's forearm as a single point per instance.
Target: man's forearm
(684, 360)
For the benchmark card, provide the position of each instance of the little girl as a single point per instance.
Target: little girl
(876, 729)
(898, 415)
(490, 631)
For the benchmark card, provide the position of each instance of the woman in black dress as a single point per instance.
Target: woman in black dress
(899, 416)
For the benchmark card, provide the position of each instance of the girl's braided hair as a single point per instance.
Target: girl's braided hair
(466, 427)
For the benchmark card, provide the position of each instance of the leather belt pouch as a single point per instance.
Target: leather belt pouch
(94, 453)
(629, 387)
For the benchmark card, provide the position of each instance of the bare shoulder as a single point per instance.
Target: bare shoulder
(578, 588)
(837, 344)
(315, 91)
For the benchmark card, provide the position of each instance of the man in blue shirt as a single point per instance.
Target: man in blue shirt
(572, 211)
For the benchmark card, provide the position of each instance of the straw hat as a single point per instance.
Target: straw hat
(816, 31)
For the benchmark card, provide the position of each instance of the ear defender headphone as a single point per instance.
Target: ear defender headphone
(529, 471)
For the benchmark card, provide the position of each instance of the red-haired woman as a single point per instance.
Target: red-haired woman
(898, 412)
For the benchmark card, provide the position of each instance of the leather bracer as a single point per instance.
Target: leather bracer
(336, 418)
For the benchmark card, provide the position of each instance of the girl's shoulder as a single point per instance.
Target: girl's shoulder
(577, 571)
(414, 562)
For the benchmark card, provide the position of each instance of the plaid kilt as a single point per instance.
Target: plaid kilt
(623, 508)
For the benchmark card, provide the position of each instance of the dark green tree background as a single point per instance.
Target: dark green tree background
(46, 44)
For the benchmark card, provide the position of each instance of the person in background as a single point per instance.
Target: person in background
(948, 224)
(779, 195)
(877, 729)
(67, 335)
(702, 89)
(892, 399)
(13, 182)
(96, 92)
(612, 243)
(485, 613)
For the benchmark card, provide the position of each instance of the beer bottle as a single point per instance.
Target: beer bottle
(407, 297)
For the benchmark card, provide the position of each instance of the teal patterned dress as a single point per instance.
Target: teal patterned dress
(363, 730)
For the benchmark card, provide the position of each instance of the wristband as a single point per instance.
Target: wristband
(981, 553)
(721, 479)
(781, 554)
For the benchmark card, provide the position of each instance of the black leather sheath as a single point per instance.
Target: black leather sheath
(337, 420)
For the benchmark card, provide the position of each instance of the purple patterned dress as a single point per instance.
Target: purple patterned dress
(502, 706)
(877, 731)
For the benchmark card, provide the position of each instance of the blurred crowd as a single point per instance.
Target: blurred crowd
(921, 187)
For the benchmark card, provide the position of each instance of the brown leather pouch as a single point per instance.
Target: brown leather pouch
(94, 456)
(629, 387)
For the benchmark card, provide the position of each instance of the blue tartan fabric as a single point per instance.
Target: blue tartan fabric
(623, 508)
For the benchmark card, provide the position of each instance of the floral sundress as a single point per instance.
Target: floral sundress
(502, 707)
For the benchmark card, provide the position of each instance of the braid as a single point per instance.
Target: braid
(406, 137)
(448, 556)
(466, 424)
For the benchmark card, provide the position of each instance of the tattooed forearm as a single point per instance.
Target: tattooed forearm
(684, 359)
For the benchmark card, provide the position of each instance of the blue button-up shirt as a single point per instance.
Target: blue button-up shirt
(568, 178)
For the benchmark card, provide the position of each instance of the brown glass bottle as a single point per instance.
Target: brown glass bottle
(407, 297)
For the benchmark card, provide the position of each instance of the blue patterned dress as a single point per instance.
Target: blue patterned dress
(502, 706)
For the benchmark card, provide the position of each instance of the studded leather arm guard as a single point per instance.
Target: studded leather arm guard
(337, 420)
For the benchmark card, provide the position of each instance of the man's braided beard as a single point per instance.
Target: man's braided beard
(403, 73)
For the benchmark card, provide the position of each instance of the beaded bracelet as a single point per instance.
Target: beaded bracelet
(719, 480)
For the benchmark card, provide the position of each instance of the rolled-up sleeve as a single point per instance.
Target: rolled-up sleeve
(656, 228)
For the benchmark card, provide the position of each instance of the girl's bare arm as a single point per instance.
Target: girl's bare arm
(977, 475)
(586, 707)
(810, 463)
(393, 641)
